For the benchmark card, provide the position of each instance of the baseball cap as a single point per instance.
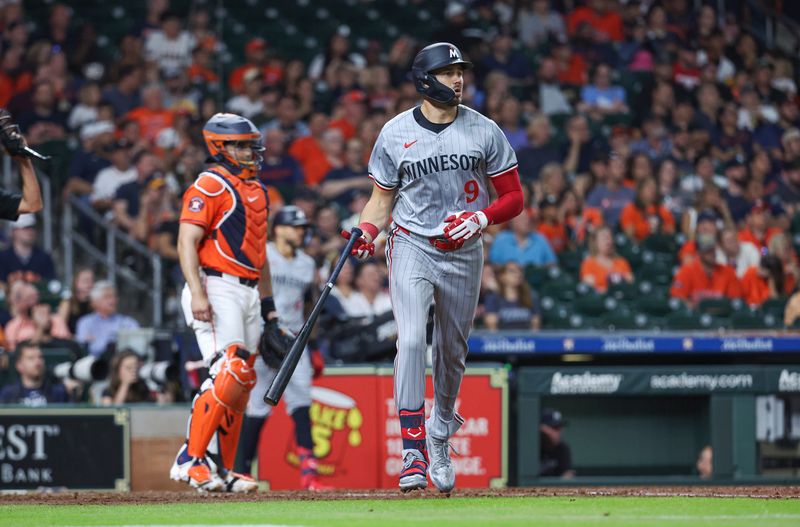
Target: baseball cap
(252, 74)
(707, 215)
(788, 135)
(92, 130)
(354, 96)
(548, 201)
(155, 181)
(705, 243)
(759, 205)
(736, 161)
(255, 44)
(24, 221)
(552, 417)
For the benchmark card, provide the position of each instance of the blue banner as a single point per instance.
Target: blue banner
(501, 343)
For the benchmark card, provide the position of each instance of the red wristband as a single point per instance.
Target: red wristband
(370, 229)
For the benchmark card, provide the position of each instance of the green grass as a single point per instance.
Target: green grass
(550, 512)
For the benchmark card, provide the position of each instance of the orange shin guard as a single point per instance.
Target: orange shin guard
(222, 406)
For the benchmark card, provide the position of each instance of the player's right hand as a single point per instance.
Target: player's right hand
(362, 249)
(201, 308)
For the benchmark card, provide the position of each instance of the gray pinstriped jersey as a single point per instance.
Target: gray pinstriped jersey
(291, 279)
(437, 174)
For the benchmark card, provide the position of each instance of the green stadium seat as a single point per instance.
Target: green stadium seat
(536, 276)
(775, 306)
(593, 305)
(752, 319)
(690, 321)
(659, 306)
(656, 272)
(661, 243)
(617, 321)
(718, 307)
(623, 291)
(570, 261)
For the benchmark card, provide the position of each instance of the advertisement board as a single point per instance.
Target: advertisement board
(83, 449)
(356, 431)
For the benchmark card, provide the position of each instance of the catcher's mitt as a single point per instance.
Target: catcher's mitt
(275, 343)
(10, 135)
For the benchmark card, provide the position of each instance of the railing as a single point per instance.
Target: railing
(72, 238)
(770, 25)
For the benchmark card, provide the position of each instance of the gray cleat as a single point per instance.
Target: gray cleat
(413, 476)
(441, 470)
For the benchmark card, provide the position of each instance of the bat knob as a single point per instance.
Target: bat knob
(270, 401)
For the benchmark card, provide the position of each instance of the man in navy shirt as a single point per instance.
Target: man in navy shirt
(24, 259)
(279, 169)
(34, 387)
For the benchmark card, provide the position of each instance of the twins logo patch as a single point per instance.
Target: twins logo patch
(196, 204)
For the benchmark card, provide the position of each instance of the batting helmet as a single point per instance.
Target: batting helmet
(231, 128)
(290, 215)
(431, 58)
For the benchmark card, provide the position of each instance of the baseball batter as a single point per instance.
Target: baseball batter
(222, 249)
(293, 274)
(432, 167)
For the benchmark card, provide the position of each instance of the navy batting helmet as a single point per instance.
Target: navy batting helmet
(290, 215)
(431, 58)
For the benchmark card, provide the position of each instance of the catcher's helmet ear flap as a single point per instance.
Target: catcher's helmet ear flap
(431, 58)
(231, 128)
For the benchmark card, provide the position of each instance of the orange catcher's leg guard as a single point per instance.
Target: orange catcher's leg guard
(222, 406)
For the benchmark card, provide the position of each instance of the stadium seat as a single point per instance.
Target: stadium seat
(536, 276)
(775, 306)
(690, 321)
(570, 261)
(717, 307)
(659, 306)
(661, 243)
(617, 322)
(593, 304)
(623, 290)
(752, 319)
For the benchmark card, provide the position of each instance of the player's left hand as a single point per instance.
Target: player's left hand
(317, 363)
(464, 225)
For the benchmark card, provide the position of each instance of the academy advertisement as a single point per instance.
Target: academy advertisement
(356, 432)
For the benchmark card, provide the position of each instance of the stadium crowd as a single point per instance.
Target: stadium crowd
(650, 136)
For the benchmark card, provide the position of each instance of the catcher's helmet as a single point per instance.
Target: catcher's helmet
(231, 128)
(431, 58)
(290, 215)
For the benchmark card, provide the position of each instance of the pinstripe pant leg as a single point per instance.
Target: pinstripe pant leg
(411, 292)
(455, 297)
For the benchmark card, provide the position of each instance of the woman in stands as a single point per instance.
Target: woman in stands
(603, 266)
(647, 214)
(514, 305)
(125, 385)
(764, 282)
(78, 303)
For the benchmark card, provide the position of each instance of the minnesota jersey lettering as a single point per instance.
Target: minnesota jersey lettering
(431, 170)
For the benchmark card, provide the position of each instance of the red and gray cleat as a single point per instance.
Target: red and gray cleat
(414, 473)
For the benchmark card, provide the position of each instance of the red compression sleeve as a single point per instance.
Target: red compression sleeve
(509, 200)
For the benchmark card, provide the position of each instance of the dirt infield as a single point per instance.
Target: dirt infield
(152, 497)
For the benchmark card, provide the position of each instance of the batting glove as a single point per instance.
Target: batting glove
(361, 249)
(464, 225)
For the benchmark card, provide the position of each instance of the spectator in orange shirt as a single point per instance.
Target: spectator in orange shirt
(31, 319)
(572, 68)
(200, 72)
(757, 230)
(256, 55)
(151, 115)
(308, 150)
(329, 157)
(603, 265)
(703, 277)
(763, 282)
(550, 225)
(646, 215)
(606, 23)
(578, 219)
(350, 113)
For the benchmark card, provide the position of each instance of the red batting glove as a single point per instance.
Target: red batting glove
(362, 249)
(318, 363)
(464, 225)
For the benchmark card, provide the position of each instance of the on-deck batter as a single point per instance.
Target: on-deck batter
(432, 166)
(292, 273)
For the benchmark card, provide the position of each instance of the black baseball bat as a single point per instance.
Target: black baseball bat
(289, 363)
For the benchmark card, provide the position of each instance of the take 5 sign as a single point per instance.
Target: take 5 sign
(356, 431)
